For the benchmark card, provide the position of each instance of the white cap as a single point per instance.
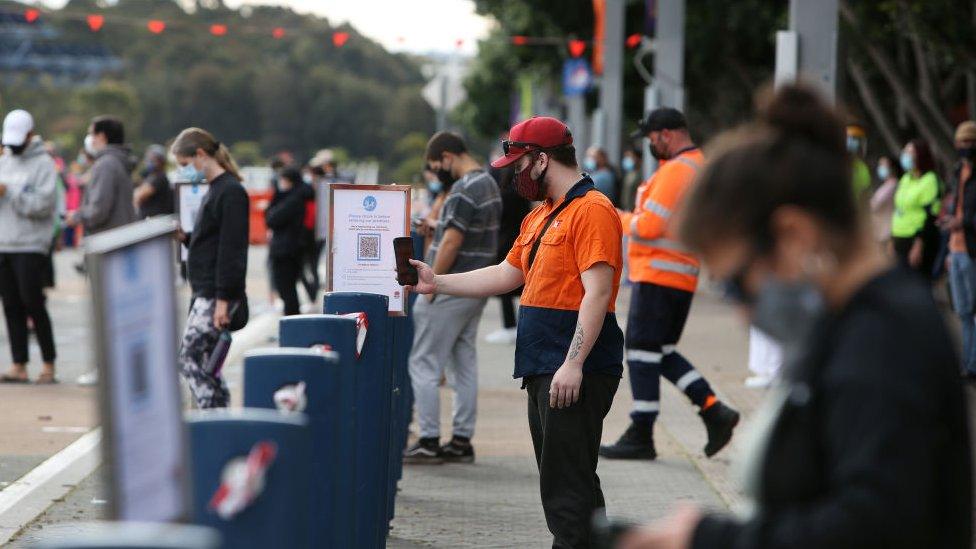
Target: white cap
(16, 126)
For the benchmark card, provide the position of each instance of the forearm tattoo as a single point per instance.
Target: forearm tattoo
(577, 345)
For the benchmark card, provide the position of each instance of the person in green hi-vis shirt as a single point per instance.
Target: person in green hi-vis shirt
(917, 203)
(857, 146)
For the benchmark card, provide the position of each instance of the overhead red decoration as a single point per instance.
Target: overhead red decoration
(577, 47)
(520, 40)
(278, 33)
(339, 39)
(32, 15)
(95, 22)
(218, 30)
(459, 42)
(401, 39)
(633, 40)
(156, 26)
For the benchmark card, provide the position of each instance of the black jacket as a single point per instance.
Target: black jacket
(217, 262)
(871, 449)
(285, 217)
(968, 207)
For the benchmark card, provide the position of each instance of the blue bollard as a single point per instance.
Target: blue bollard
(374, 398)
(340, 335)
(130, 535)
(266, 371)
(279, 517)
(402, 342)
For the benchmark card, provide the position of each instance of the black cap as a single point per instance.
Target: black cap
(664, 118)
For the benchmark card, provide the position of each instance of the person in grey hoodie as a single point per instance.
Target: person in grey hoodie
(28, 198)
(107, 203)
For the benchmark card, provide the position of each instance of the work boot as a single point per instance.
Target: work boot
(637, 442)
(719, 420)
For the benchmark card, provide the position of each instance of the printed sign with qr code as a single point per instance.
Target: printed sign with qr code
(368, 246)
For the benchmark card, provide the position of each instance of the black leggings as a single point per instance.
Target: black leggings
(22, 292)
(930, 251)
(285, 272)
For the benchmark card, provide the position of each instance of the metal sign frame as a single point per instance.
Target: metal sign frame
(405, 189)
(97, 249)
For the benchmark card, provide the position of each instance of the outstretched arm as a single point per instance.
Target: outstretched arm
(489, 281)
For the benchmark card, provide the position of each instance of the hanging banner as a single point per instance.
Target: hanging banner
(363, 221)
(599, 15)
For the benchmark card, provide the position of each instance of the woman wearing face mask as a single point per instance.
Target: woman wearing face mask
(883, 200)
(597, 165)
(217, 260)
(917, 203)
(865, 443)
(284, 217)
(631, 166)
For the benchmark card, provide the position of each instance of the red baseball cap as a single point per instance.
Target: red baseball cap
(536, 133)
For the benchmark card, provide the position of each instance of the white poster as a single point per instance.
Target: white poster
(140, 342)
(364, 221)
(189, 200)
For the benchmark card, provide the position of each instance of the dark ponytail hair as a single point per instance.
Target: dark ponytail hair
(191, 139)
(794, 153)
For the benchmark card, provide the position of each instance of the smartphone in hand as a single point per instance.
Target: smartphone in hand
(403, 249)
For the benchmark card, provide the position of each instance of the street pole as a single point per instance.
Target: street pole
(576, 110)
(612, 82)
(813, 48)
(668, 86)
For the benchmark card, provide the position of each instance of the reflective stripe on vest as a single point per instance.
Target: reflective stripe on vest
(658, 209)
(688, 162)
(674, 267)
(660, 243)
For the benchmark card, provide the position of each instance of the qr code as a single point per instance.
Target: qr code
(368, 247)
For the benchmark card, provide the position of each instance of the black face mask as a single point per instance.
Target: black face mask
(655, 153)
(965, 153)
(19, 149)
(445, 177)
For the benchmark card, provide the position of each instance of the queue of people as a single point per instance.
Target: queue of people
(868, 398)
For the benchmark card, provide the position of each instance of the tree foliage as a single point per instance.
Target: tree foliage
(300, 93)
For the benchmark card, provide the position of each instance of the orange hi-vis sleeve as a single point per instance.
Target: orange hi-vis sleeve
(655, 255)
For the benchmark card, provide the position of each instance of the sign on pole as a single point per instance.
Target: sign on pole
(134, 309)
(189, 200)
(363, 222)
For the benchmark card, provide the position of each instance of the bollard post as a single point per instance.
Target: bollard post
(269, 370)
(340, 335)
(279, 515)
(374, 397)
(402, 342)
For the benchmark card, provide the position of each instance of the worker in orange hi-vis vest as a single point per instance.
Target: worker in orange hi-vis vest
(664, 277)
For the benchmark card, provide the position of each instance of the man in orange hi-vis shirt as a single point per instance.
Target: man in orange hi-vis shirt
(569, 349)
(664, 277)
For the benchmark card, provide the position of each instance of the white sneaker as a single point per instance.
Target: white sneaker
(88, 378)
(758, 382)
(502, 336)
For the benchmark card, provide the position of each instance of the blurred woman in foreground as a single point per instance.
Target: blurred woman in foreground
(865, 441)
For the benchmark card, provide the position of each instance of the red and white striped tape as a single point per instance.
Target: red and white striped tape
(242, 480)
